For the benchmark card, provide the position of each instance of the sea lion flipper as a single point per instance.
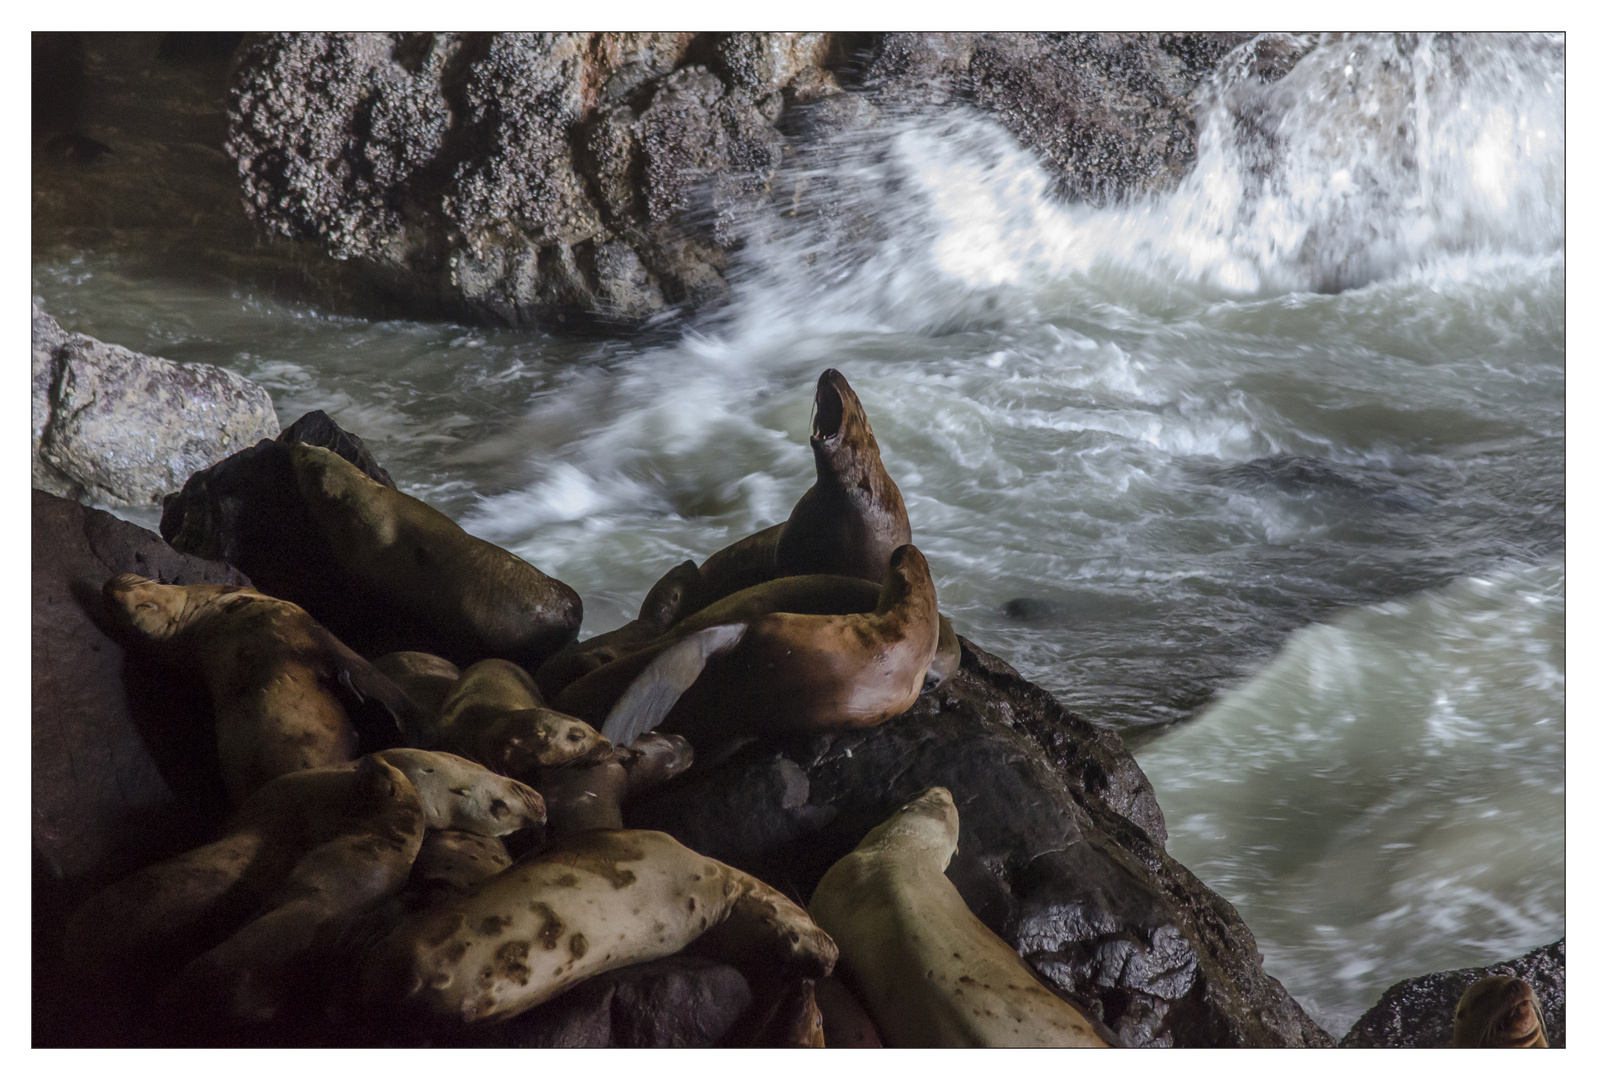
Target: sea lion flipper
(653, 693)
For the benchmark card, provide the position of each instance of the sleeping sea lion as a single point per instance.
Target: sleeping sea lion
(426, 679)
(495, 715)
(598, 900)
(930, 972)
(849, 522)
(455, 860)
(590, 795)
(1499, 1011)
(274, 674)
(381, 569)
(162, 909)
(774, 672)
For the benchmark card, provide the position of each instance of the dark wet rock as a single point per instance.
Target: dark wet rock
(124, 761)
(316, 428)
(593, 180)
(116, 426)
(1418, 1012)
(1060, 851)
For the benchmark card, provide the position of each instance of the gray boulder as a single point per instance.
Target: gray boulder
(1418, 1012)
(115, 426)
(601, 180)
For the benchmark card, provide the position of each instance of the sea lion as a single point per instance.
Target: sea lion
(495, 715)
(599, 900)
(275, 676)
(382, 569)
(455, 860)
(846, 1024)
(930, 972)
(805, 594)
(377, 833)
(774, 672)
(209, 889)
(426, 679)
(666, 602)
(849, 522)
(1499, 1011)
(590, 795)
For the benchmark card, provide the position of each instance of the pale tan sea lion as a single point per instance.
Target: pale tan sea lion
(849, 522)
(1499, 1011)
(599, 900)
(931, 973)
(425, 678)
(776, 672)
(158, 909)
(249, 976)
(495, 715)
(476, 595)
(272, 672)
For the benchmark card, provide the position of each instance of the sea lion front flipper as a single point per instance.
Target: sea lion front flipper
(654, 692)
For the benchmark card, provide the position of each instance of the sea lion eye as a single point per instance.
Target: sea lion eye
(498, 808)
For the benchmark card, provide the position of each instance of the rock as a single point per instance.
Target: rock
(1109, 114)
(116, 426)
(1059, 851)
(1418, 1012)
(124, 761)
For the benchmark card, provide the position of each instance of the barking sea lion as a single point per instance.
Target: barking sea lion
(931, 973)
(774, 672)
(1499, 1011)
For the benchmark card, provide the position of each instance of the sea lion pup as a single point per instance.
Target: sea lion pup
(849, 522)
(455, 860)
(1499, 1011)
(275, 675)
(598, 900)
(775, 672)
(426, 679)
(930, 972)
(590, 795)
(212, 888)
(495, 715)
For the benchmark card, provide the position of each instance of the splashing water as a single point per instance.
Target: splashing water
(1140, 445)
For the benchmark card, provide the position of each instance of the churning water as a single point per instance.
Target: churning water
(1309, 406)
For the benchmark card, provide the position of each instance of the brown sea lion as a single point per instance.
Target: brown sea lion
(377, 832)
(163, 908)
(381, 569)
(275, 676)
(590, 795)
(1499, 1011)
(774, 672)
(495, 715)
(455, 860)
(849, 522)
(426, 679)
(667, 601)
(599, 900)
(930, 972)
(844, 1020)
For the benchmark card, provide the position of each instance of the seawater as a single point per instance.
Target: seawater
(1265, 472)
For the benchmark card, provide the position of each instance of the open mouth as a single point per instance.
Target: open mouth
(828, 412)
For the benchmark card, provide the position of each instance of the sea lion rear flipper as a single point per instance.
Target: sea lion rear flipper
(653, 693)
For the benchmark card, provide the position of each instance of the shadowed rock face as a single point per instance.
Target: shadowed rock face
(1056, 852)
(594, 180)
(1419, 1011)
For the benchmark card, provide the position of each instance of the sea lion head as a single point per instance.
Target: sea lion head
(925, 830)
(907, 575)
(1498, 1011)
(462, 795)
(152, 609)
(840, 433)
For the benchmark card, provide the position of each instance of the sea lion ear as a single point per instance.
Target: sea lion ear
(656, 689)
